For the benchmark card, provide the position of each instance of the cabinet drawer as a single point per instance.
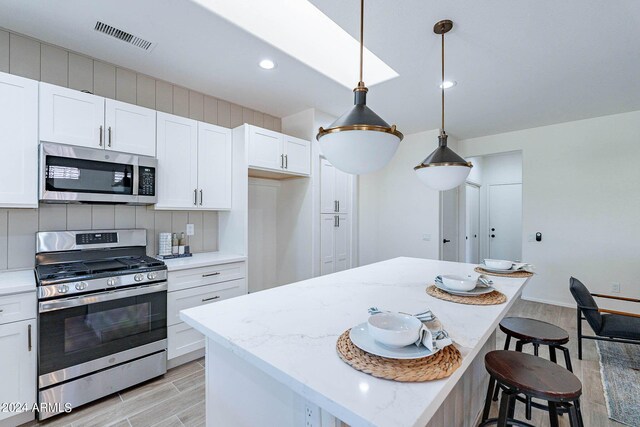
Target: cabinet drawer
(187, 298)
(183, 339)
(18, 307)
(185, 279)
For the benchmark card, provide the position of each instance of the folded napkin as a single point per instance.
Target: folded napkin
(523, 266)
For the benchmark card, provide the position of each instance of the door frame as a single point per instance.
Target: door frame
(462, 208)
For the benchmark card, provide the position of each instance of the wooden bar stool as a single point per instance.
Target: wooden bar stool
(533, 377)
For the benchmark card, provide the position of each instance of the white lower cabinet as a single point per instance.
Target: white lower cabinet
(335, 243)
(194, 287)
(17, 357)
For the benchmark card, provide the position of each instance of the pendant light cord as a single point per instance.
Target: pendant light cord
(442, 86)
(361, 83)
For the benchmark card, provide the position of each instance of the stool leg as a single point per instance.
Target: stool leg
(512, 406)
(553, 415)
(519, 346)
(573, 416)
(579, 413)
(528, 409)
(579, 334)
(535, 348)
(567, 358)
(507, 342)
(552, 354)
(504, 408)
(487, 402)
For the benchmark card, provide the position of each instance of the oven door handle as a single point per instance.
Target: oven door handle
(60, 304)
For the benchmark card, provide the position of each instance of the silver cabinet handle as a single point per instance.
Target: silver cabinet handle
(338, 205)
(100, 143)
(29, 333)
(338, 220)
(335, 220)
(195, 196)
(210, 299)
(286, 161)
(281, 161)
(201, 197)
(211, 274)
(109, 136)
(335, 206)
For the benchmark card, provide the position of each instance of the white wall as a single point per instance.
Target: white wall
(581, 190)
(396, 209)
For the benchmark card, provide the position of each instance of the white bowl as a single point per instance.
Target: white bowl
(458, 283)
(500, 264)
(394, 329)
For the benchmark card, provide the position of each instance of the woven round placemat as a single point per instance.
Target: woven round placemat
(518, 274)
(440, 365)
(492, 298)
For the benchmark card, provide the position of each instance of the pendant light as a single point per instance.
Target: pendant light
(359, 141)
(443, 169)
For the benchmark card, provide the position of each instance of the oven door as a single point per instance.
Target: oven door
(84, 334)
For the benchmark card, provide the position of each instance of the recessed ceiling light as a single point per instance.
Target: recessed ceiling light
(267, 64)
(274, 21)
(447, 84)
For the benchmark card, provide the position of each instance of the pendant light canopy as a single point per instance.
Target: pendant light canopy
(443, 169)
(359, 141)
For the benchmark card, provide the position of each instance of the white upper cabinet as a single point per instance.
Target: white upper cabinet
(177, 152)
(297, 155)
(335, 189)
(214, 166)
(130, 128)
(194, 164)
(272, 151)
(18, 142)
(71, 117)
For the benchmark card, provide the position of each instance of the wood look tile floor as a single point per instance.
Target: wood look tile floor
(177, 398)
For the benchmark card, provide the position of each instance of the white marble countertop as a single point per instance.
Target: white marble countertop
(290, 333)
(18, 281)
(202, 259)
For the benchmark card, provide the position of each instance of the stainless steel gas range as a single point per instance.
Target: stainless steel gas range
(102, 315)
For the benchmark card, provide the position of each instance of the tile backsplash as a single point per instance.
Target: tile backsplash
(18, 227)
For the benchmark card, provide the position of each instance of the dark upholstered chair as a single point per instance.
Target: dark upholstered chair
(616, 326)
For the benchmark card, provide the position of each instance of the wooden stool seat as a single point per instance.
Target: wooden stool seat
(533, 376)
(532, 330)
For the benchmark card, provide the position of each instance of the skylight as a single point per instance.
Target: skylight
(301, 30)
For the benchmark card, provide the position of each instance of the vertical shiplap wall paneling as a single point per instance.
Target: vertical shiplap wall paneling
(37, 60)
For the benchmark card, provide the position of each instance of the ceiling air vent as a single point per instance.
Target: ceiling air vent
(123, 35)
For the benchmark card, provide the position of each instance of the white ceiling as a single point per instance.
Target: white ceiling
(518, 64)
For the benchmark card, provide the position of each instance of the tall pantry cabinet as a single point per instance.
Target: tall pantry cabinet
(335, 219)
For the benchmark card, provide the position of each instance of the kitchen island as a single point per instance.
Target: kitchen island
(271, 356)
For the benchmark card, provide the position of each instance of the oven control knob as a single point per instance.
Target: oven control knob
(81, 286)
(138, 277)
(111, 282)
(152, 275)
(63, 289)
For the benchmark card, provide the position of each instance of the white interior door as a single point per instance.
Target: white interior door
(265, 148)
(130, 128)
(505, 221)
(297, 155)
(328, 200)
(449, 225)
(472, 226)
(327, 243)
(343, 248)
(214, 166)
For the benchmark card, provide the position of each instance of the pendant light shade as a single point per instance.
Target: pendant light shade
(443, 169)
(359, 141)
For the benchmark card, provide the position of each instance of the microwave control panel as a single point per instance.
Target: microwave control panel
(147, 181)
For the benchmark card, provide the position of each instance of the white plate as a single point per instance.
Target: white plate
(479, 290)
(497, 270)
(360, 337)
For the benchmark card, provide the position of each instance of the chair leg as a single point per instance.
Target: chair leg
(507, 341)
(579, 329)
(579, 413)
(487, 402)
(536, 348)
(573, 416)
(553, 415)
(504, 408)
(527, 408)
(512, 406)
(567, 358)
(552, 354)
(519, 346)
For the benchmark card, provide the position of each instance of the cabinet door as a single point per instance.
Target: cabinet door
(18, 364)
(177, 162)
(343, 243)
(129, 128)
(328, 200)
(214, 167)
(327, 243)
(265, 149)
(18, 142)
(71, 117)
(343, 191)
(297, 155)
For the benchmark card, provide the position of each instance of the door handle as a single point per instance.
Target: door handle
(195, 196)
(445, 240)
(210, 299)
(211, 274)
(493, 229)
(335, 220)
(335, 206)
(466, 237)
(281, 161)
(100, 143)
(286, 161)
(201, 197)
(338, 205)
(109, 136)
(338, 221)
(29, 335)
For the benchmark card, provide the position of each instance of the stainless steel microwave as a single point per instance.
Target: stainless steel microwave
(70, 174)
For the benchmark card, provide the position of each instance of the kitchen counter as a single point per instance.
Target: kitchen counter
(202, 259)
(14, 282)
(275, 350)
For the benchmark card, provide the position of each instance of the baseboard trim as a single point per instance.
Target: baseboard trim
(546, 301)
